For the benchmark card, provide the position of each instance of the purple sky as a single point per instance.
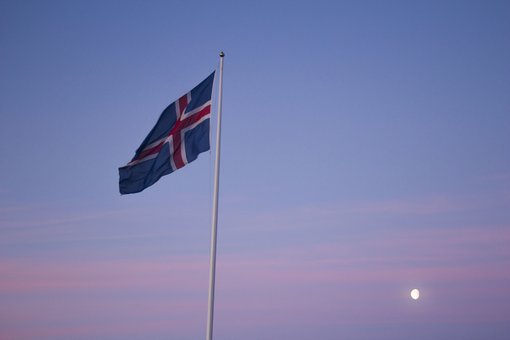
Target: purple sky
(365, 153)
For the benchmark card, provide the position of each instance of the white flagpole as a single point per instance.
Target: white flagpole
(212, 265)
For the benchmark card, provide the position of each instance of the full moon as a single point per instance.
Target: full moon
(415, 294)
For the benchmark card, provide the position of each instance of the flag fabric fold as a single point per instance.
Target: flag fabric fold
(179, 136)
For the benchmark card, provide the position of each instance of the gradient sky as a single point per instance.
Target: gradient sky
(365, 153)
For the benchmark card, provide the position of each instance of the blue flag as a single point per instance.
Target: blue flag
(179, 136)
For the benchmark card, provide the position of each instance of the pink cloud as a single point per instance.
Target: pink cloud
(44, 299)
(311, 216)
(118, 328)
(461, 280)
(366, 281)
(34, 276)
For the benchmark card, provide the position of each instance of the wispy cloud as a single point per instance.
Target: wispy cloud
(338, 278)
(366, 282)
(35, 276)
(37, 226)
(62, 299)
(328, 213)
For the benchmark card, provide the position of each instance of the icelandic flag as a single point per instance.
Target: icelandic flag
(181, 133)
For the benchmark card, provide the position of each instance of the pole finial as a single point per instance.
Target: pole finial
(222, 54)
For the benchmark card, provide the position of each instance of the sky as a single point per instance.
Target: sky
(364, 154)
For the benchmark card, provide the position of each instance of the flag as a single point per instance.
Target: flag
(179, 136)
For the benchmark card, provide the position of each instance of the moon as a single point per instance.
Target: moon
(415, 294)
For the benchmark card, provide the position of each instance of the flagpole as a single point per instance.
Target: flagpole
(212, 265)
